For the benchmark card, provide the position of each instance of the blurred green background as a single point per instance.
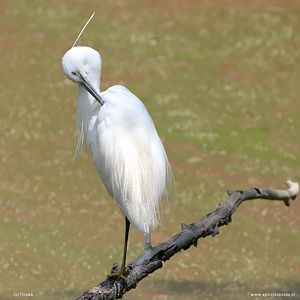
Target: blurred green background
(221, 82)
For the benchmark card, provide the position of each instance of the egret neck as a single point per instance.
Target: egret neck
(86, 102)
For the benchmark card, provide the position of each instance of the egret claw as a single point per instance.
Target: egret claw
(119, 274)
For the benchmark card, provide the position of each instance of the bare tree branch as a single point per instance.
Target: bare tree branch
(151, 260)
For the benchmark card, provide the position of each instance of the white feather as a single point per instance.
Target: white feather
(132, 162)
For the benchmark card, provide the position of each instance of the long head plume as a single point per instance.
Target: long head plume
(83, 29)
(80, 130)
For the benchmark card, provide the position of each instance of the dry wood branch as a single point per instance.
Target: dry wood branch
(151, 260)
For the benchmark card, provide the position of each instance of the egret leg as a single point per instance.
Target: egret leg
(127, 225)
(148, 245)
(123, 271)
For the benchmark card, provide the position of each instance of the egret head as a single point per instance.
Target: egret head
(82, 65)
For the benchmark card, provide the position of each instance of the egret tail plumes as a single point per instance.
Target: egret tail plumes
(140, 173)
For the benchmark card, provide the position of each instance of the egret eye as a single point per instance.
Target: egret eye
(73, 73)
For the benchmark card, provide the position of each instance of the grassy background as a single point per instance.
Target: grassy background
(221, 84)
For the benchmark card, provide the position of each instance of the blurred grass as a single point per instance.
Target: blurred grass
(220, 80)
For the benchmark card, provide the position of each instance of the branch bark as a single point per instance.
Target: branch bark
(151, 260)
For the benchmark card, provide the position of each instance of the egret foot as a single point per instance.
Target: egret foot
(119, 274)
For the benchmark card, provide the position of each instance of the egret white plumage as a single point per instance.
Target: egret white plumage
(126, 149)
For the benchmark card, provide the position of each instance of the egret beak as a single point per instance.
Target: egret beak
(85, 82)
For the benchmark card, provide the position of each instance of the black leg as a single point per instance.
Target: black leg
(127, 225)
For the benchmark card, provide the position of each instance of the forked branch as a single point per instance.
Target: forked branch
(151, 260)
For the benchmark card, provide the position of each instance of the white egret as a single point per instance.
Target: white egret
(126, 149)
